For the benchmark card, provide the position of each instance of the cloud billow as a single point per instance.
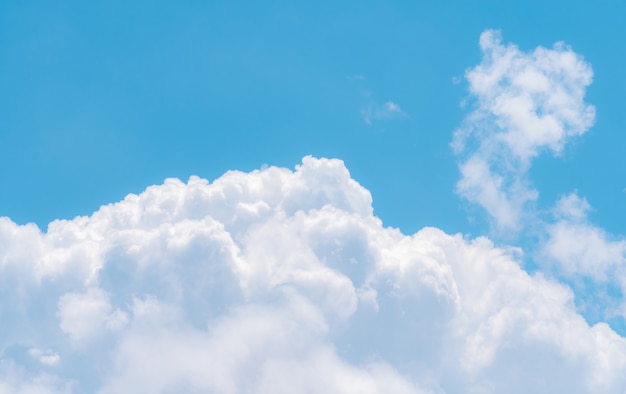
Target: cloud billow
(280, 281)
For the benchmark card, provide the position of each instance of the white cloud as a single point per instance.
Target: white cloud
(47, 357)
(372, 110)
(15, 380)
(589, 258)
(85, 315)
(572, 208)
(526, 103)
(577, 247)
(584, 249)
(281, 281)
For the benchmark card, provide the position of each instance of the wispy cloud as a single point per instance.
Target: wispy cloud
(525, 103)
(387, 110)
(372, 110)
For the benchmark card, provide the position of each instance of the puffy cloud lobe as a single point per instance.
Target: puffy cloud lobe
(281, 281)
(81, 315)
(525, 103)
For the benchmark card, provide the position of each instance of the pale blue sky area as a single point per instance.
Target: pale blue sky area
(104, 99)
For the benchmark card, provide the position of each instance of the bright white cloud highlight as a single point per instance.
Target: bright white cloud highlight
(280, 281)
(525, 103)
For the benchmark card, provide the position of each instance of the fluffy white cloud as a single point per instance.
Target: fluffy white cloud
(577, 247)
(526, 103)
(280, 281)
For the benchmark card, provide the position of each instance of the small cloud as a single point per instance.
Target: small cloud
(578, 248)
(372, 109)
(392, 107)
(46, 357)
(572, 207)
(387, 110)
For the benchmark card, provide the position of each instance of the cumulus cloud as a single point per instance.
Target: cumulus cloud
(280, 281)
(525, 103)
(578, 247)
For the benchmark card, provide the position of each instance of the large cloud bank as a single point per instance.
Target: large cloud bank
(280, 281)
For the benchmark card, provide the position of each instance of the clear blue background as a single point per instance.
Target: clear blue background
(100, 99)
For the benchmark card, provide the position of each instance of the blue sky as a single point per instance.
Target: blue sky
(100, 102)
